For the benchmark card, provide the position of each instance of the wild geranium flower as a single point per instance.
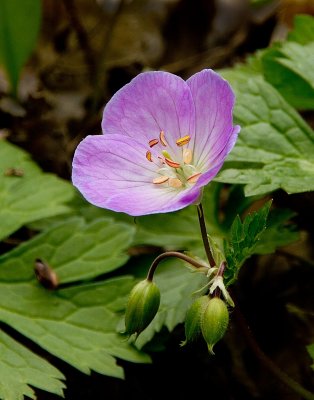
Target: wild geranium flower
(163, 140)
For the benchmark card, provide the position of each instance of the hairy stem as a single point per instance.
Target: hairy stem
(169, 254)
(201, 219)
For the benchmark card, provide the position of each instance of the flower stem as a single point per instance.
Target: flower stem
(201, 219)
(169, 254)
(267, 362)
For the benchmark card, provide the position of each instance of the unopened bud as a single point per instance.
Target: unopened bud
(193, 319)
(215, 320)
(142, 307)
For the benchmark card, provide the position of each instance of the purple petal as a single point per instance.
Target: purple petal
(111, 171)
(152, 102)
(215, 134)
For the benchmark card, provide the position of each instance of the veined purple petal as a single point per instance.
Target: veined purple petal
(215, 134)
(152, 102)
(111, 171)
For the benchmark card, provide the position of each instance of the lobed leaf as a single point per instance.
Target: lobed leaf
(275, 148)
(77, 324)
(20, 368)
(74, 249)
(243, 240)
(31, 196)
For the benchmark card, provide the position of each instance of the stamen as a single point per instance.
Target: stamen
(162, 138)
(149, 155)
(171, 163)
(184, 140)
(175, 183)
(161, 159)
(194, 178)
(160, 179)
(153, 142)
(187, 156)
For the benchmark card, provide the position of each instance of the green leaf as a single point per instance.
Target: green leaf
(74, 249)
(244, 237)
(288, 65)
(310, 349)
(279, 232)
(77, 324)
(180, 229)
(29, 197)
(19, 26)
(176, 284)
(275, 148)
(303, 30)
(289, 68)
(19, 368)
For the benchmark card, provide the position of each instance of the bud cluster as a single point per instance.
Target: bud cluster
(208, 317)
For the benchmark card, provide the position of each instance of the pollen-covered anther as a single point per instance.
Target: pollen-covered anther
(149, 156)
(162, 138)
(184, 140)
(194, 178)
(187, 156)
(153, 142)
(160, 179)
(175, 183)
(171, 163)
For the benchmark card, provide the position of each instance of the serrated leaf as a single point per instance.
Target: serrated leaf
(76, 250)
(19, 26)
(19, 368)
(289, 68)
(275, 148)
(243, 239)
(76, 324)
(29, 197)
(176, 284)
(288, 65)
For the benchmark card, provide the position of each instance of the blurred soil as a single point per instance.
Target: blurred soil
(87, 50)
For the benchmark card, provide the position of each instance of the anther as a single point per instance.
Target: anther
(149, 156)
(184, 140)
(175, 183)
(160, 179)
(171, 163)
(194, 178)
(187, 156)
(153, 142)
(162, 138)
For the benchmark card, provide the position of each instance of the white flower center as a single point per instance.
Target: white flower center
(174, 173)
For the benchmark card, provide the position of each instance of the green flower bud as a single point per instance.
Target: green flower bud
(142, 307)
(193, 319)
(215, 320)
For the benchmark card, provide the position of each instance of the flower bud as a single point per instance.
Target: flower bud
(215, 321)
(142, 307)
(193, 319)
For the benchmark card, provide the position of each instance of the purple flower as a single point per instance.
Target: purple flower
(164, 139)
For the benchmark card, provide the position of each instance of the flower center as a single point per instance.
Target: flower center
(176, 173)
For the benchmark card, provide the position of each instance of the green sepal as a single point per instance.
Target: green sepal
(193, 319)
(215, 320)
(142, 307)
